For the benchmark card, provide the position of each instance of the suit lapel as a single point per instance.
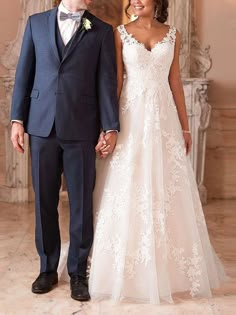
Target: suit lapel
(52, 31)
(79, 35)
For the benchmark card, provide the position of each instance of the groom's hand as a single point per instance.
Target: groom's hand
(17, 136)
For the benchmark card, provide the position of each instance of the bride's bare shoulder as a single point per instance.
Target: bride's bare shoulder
(166, 26)
(129, 26)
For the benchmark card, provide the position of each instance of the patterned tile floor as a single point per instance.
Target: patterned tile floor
(19, 267)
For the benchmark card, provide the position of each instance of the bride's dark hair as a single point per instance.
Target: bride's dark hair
(162, 10)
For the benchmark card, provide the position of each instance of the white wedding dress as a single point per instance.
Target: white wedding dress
(151, 238)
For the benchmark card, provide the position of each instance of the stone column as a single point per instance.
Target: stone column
(199, 113)
(180, 15)
(195, 62)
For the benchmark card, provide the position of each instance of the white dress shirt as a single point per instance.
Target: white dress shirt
(68, 27)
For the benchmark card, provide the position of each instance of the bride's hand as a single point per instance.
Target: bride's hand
(188, 142)
(102, 147)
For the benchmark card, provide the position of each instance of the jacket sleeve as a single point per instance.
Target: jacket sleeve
(24, 78)
(107, 84)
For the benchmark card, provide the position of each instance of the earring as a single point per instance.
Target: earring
(156, 15)
(133, 17)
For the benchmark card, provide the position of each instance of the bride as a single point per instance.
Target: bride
(151, 238)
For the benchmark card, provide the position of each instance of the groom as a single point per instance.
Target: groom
(64, 94)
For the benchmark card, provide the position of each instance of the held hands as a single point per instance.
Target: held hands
(106, 143)
(17, 136)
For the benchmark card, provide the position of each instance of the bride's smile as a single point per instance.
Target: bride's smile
(142, 8)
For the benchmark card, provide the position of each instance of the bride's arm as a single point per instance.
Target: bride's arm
(119, 61)
(177, 86)
(178, 94)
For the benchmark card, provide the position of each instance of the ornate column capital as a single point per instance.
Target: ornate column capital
(180, 14)
(195, 61)
(201, 62)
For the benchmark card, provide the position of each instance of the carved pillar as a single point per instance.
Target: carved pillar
(180, 15)
(199, 112)
(201, 61)
(16, 188)
(195, 62)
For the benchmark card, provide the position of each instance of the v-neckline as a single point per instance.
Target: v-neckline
(143, 45)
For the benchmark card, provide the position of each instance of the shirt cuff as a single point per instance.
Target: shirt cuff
(18, 121)
(109, 131)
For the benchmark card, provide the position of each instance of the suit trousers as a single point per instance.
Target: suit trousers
(50, 157)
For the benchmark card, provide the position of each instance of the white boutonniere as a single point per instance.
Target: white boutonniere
(87, 25)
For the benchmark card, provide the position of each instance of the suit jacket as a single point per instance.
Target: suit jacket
(78, 93)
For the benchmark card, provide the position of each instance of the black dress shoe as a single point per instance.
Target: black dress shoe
(45, 282)
(79, 288)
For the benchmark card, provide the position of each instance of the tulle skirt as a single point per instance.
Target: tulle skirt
(151, 238)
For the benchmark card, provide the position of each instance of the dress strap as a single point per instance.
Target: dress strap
(171, 36)
(123, 33)
(121, 29)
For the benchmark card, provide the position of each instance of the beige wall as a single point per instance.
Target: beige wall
(110, 11)
(9, 17)
(8, 31)
(216, 23)
(8, 28)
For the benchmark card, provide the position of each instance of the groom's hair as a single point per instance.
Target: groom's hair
(161, 10)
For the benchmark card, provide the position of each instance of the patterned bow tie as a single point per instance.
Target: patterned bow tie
(73, 16)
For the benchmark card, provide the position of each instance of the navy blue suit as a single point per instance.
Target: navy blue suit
(65, 96)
